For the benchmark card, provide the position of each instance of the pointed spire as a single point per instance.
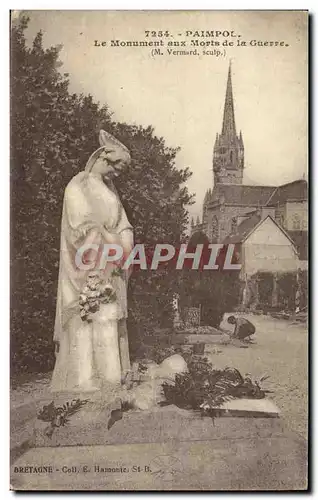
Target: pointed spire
(228, 127)
(207, 196)
(198, 220)
(216, 143)
(241, 138)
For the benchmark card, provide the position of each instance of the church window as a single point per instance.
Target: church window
(282, 219)
(231, 156)
(233, 224)
(279, 216)
(215, 228)
(205, 212)
(296, 222)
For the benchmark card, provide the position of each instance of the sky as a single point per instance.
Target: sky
(182, 97)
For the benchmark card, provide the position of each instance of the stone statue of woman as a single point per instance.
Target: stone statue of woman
(90, 334)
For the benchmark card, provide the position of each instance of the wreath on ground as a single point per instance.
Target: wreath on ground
(205, 389)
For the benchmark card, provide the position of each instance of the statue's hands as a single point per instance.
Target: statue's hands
(124, 240)
(57, 346)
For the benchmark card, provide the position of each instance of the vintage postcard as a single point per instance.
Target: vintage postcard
(159, 199)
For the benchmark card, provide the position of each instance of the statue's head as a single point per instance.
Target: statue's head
(110, 158)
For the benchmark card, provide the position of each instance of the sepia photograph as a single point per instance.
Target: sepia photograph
(159, 250)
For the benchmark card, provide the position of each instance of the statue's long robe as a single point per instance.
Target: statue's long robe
(89, 207)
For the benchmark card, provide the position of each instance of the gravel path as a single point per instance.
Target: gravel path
(280, 351)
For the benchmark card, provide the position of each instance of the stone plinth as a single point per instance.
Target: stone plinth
(233, 454)
(161, 424)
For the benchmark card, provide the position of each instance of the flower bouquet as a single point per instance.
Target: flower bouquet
(95, 292)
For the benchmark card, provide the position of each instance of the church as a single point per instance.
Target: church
(268, 224)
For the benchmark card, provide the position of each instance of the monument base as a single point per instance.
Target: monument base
(91, 424)
(166, 449)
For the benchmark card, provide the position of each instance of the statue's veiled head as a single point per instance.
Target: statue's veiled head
(110, 158)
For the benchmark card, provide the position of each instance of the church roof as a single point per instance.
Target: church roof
(296, 191)
(300, 239)
(244, 229)
(248, 225)
(257, 196)
(238, 194)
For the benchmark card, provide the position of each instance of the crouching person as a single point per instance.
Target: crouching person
(243, 328)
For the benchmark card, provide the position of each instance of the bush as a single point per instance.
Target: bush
(33, 355)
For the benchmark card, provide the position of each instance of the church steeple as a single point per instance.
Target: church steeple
(228, 127)
(228, 154)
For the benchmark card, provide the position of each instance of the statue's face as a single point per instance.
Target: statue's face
(117, 165)
(102, 166)
(107, 168)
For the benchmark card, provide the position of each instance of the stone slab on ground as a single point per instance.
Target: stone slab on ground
(157, 425)
(244, 454)
(25, 399)
(23, 418)
(22, 426)
(251, 408)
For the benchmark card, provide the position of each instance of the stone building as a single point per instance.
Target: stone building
(233, 210)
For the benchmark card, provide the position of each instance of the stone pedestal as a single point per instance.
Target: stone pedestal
(166, 449)
(160, 424)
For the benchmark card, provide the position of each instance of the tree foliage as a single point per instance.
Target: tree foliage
(53, 132)
(214, 291)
